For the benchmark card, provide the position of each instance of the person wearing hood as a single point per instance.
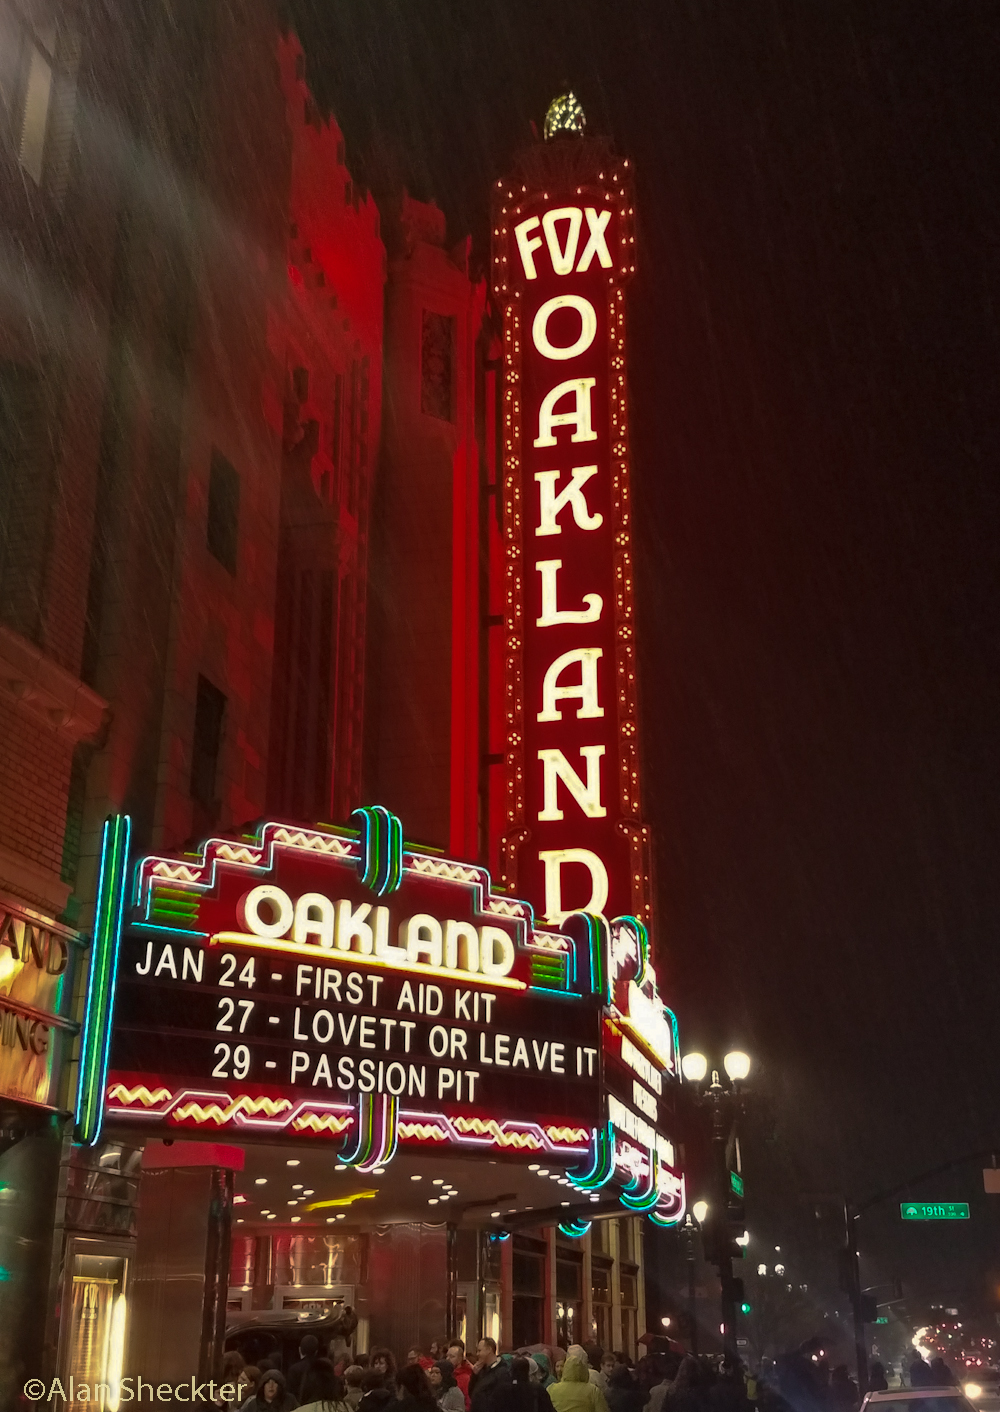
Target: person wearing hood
(544, 1376)
(574, 1392)
(271, 1394)
(577, 1350)
(447, 1393)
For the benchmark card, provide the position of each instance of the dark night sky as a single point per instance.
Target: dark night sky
(814, 365)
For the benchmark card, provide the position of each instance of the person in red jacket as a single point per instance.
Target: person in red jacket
(463, 1368)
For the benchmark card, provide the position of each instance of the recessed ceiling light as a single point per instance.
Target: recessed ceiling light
(239, 1220)
(532, 1166)
(270, 1217)
(543, 1171)
(296, 1219)
(378, 1171)
(432, 1201)
(341, 1215)
(494, 1214)
(329, 1220)
(296, 1186)
(564, 1203)
(595, 1198)
(293, 1203)
(416, 1177)
(292, 1162)
(239, 1199)
(438, 1181)
(260, 1181)
(309, 1191)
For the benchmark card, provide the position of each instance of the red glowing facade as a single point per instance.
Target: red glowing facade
(563, 252)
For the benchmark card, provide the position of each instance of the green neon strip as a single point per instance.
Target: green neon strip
(96, 1037)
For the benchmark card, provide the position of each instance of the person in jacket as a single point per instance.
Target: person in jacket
(543, 1364)
(491, 1373)
(271, 1394)
(352, 1380)
(521, 1393)
(448, 1395)
(622, 1393)
(298, 1372)
(322, 1389)
(413, 1391)
(577, 1350)
(463, 1368)
(574, 1392)
(375, 1395)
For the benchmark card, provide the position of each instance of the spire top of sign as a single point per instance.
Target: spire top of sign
(565, 117)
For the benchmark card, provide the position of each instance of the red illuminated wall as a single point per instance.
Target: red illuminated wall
(571, 835)
(426, 671)
(329, 340)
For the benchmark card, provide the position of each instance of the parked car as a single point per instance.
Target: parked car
(918, 1399)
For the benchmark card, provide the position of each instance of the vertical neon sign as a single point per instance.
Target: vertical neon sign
(95, 1039)
(563, 249)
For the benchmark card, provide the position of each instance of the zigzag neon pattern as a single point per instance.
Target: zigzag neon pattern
(244, 1104)
(454, 872)
(423, 1132)
(311, 1122)
(491, 1128)
(568, 1134)
(128, 1096)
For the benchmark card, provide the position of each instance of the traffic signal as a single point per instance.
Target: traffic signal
(746, 1308)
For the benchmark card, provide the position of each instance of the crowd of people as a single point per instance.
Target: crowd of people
(584, 1379)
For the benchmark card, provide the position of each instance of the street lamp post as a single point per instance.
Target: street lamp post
(725, 1106)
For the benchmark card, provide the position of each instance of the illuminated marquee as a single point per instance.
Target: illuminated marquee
(334, 986)
(563, 250)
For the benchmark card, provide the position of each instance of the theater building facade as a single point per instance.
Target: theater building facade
(328, 973)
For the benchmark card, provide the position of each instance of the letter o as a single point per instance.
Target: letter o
(438, 1036)
(252, 921)
(395, 1084)
(327, 1025)
(540, 327)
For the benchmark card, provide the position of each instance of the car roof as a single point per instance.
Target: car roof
(908, 1393)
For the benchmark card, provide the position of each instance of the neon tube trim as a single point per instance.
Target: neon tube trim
(96, 1038)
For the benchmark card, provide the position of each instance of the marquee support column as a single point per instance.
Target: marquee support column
(181, 1277)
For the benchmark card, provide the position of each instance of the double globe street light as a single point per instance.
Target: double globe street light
(725, 1103)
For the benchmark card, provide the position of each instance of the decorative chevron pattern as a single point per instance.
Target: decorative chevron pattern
(125, 1097)
(489, 1127)
(424, 1132)
(328, 1123)
(437, 868)
(244, 1104)
(222, 1109)
(573, 1135)
(316, 842)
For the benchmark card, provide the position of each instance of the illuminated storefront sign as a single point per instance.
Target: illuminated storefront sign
(563, 249)
(265, 987)
(36, 965)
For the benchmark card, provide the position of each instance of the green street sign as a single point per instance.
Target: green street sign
(882, 1319)
(934, 1210)
(736, 1182)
